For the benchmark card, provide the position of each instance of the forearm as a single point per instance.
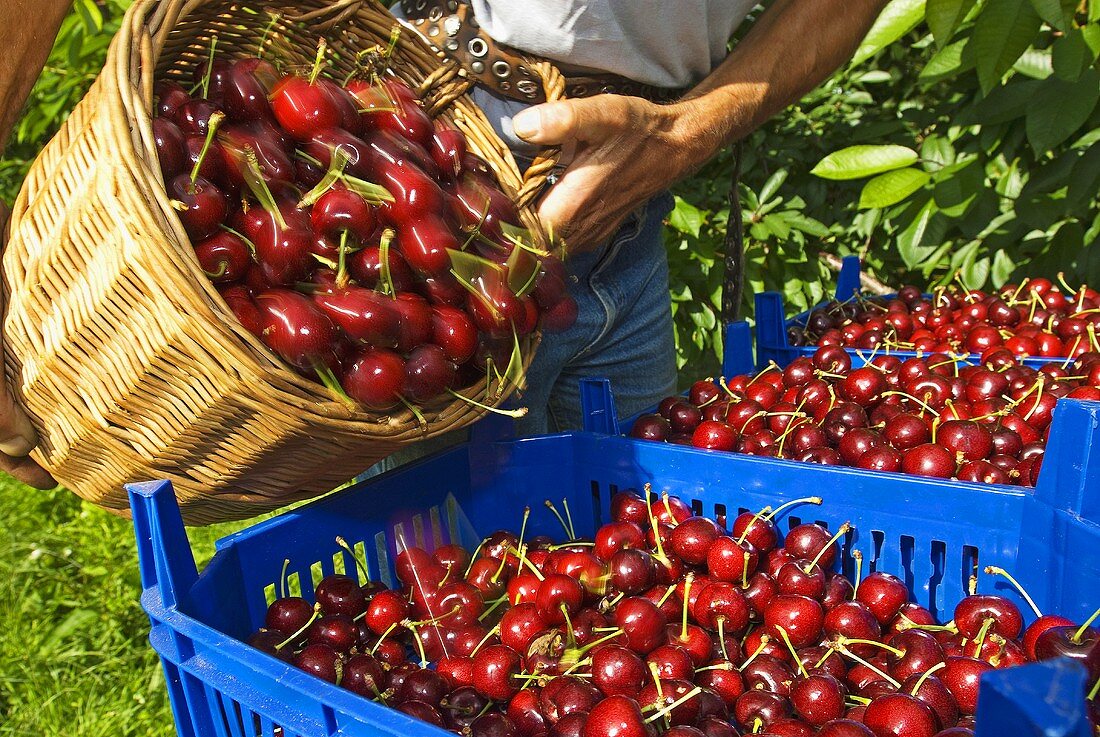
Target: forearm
(793, 47)
(30, 27)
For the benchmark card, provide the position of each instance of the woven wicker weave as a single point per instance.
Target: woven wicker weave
(125, 357)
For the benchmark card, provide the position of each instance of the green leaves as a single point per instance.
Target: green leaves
(897, 19)
(944, 16)
(1060, 108)
(1058, 13)
(1002, 32)
(686, 217)
(856, 162)
(892, 187)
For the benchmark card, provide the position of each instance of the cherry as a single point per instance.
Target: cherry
(631, 571)
(692, 538)
(852, 619)
(920, 652)
(615, 716)
(616, 536)
(297, 330)
(713, 435)
(375, 379)
(721, 602)
(170, 147)
(731, 562)
(494, 666)
(932, 692)
(883, 594)
(962, 676)
(366, 268)
(428, 373)
(201, 207)
(224, 257)
(810, 541)
(799, 578)
(364, 315)
(672, 662)
(1037, 628)
(928, 459)
(617, 670)
(972, 612)
(643, 624)
(900, 714)
(844, 728)
(762, 705)
(288, 615)
(800, 616)
(320, 660)
(818, 699)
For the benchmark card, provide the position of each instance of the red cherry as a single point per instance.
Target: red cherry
(374, 378)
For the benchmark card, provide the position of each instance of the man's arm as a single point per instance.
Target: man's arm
(30, 27)
(628, 149)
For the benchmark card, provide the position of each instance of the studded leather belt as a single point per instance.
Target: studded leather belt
(450, 28)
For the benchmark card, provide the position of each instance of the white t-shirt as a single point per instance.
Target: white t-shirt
(665, 43)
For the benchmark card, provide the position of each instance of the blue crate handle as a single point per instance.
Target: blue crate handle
(1041, 699)
(164, 553)
(737, 354)
(847, 282)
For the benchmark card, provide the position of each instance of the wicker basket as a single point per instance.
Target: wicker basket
(128, 362)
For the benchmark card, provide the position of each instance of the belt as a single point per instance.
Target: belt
(450, 28)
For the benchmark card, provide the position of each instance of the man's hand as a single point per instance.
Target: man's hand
(621, 151)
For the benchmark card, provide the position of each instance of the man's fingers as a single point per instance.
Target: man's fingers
(17, 435)
(27, 471)
(554, 123)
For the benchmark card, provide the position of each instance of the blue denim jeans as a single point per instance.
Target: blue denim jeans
(624, 326)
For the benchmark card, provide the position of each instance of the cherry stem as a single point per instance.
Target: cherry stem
(764, 640)
(1095, 690)
(419, 645)
(668, 509)
(336, 166)
(533, 568)
(747, 557)
(661, 557)
(342, 260)
(318, 61)
(247, 242)
(262, 45)
(568, 625)
(924, 677)
(794, 653)
(998, 571)
(282, 578)
(844, 530)
(209, 70)
(550, 505)
(719, 666)
(655, 672)
(523, 525)
(972, 585)
(874, 669)
(513, 413)
(420, 419)
(496, 603)
(216, 119)
(485, 639)
(824, 657)
(302, 629)
(748, 528)
(667, 594)
(907, 395)
(979, 641)
(328, 378)
(669, 709)
(254, 178)
(383, 637)
(857, 556)
(1081, 630)
(360, 564)
(722, 637)
(569, 519)
(859, 699)
(722, 383)
(855, 641)
(908, 624)
(793, 502)
(573, 655)
(473, 558)
(687, 597)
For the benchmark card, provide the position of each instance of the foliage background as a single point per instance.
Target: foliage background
(996, 101)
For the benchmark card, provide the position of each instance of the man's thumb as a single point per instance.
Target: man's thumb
(549, 124)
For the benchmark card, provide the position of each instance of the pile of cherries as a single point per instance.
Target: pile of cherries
(358, 239)
(1034, 318)
(665, 623)
(929, 416)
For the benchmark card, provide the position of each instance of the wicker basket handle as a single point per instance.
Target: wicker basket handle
(534, 179)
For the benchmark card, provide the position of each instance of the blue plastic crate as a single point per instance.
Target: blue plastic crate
(772, 343)
(931, 534)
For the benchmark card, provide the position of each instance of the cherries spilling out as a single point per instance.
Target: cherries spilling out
(364, 243)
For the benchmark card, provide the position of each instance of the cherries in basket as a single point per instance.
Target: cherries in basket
(665, 623)
(933, 416)
(358, 238)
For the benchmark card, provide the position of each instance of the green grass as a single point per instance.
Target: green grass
(74, 654)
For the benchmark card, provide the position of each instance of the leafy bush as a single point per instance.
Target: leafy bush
(978, 121)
